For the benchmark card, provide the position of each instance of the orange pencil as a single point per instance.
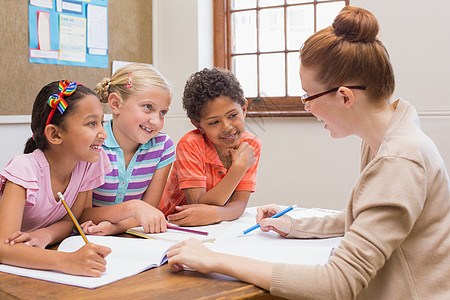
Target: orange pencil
(61, 197)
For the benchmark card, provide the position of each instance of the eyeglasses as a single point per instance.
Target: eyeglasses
(306, 98)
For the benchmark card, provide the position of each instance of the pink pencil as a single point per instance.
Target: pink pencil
(187, 230)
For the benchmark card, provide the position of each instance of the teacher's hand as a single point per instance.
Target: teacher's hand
(193, 254)
(281, 225)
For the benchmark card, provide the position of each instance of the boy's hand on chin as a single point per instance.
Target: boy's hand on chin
(243, 155)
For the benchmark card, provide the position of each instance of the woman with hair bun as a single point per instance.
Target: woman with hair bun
(396, 229)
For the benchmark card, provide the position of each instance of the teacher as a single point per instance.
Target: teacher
(396, 228)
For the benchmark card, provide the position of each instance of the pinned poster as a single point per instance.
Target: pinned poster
(69, 32)
(72, 38)
(97, 33)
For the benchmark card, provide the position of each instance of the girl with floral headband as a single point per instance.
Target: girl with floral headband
(141, 155)
(64, 155)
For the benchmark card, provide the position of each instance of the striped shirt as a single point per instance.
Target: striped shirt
(126, 184)
(198, 166)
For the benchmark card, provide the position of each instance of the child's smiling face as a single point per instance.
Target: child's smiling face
(84, 134)
(222, 122)
(140, 117)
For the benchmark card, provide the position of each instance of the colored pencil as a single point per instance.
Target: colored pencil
(187, 230)
(61, 197)
(279, 214)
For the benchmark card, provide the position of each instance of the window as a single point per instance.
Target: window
(258, 40)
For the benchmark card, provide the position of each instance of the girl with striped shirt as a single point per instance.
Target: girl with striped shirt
(141, 155)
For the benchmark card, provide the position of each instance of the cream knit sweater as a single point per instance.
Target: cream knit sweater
(396, 226)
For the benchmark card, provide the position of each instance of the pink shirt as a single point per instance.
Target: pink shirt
(32, 172)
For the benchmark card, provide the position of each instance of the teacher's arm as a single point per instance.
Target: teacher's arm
(194, 254)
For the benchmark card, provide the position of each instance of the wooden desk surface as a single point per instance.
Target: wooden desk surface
(156, 283)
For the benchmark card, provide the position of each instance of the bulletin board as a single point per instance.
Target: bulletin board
(68, 32)
(130, 39)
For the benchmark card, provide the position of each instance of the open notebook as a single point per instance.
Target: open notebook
(128, 257)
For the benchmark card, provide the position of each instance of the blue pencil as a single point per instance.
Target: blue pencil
(279, 214)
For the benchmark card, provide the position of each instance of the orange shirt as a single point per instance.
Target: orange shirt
(198, 165)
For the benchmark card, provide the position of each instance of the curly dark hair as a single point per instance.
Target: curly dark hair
(206, 85)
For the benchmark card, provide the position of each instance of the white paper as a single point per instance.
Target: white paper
(313, 212)
(42, 3)
(298, 212)
(96, 51)
(36, 53)
(43, 31)
(72, 56)
(128, 257)
(71, 6)
(72, 38)
(271, 247)
(59, 6)
(97, 24)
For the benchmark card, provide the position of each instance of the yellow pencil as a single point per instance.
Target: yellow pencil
(61, 197)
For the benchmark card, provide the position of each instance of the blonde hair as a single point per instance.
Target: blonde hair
(349, 52)
(143, 77)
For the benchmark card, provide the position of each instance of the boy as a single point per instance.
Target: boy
(215, 168)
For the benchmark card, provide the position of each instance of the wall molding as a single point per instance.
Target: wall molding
(434, 113)
(16, 119)
(26, 119)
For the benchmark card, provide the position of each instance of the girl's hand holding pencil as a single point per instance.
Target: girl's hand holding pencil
(89, 260)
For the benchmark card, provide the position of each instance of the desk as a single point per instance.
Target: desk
(156, 283)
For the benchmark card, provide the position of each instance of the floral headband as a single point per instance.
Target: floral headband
(66, 88)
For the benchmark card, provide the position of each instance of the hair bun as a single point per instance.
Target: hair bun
(102, 89)
(356, 25)
(106, 83)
